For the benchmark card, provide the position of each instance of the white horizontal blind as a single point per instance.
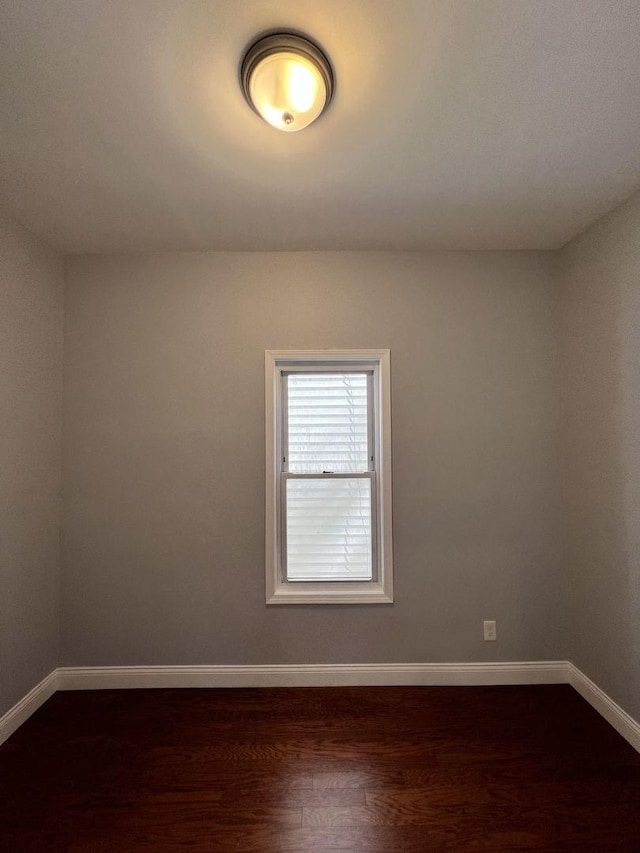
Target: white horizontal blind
(327, 422)
(328, 529)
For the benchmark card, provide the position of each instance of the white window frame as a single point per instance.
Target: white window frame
(380, 589)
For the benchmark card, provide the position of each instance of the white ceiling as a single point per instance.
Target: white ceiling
(476, 124)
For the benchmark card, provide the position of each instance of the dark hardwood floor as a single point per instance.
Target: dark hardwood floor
(319, 769)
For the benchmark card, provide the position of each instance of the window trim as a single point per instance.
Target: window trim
(380, 590)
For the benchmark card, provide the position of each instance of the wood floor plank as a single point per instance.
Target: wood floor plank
(295, 797)
(359, 779)
(544, 793)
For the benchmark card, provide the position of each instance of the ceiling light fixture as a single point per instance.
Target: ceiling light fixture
(287, 80)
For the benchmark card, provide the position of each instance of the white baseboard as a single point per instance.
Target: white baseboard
(30, 703)
(322, 675)
(622, 722)
(313, 675)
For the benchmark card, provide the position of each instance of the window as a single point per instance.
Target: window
(328, 432)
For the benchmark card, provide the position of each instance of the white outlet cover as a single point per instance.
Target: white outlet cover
(490, 630)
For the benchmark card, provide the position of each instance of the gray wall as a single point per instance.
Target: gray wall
(164, 455)
(601, 418)
(31, 303)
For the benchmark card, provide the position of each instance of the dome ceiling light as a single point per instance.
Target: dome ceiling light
(287, 80)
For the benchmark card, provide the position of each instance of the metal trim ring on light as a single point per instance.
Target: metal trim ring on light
(281, 42)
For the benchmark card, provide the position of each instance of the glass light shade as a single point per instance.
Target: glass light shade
(287, 80)
(287, 90)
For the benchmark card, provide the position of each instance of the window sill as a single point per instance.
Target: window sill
(328, 593)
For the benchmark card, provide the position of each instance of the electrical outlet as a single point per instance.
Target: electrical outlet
(490, 630)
